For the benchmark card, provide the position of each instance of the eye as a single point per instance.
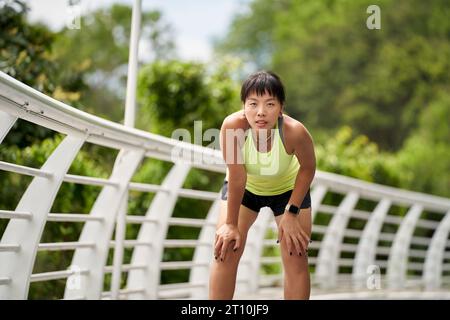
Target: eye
(252, 104)
(271, 104)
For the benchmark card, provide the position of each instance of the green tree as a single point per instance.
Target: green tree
(353, 155)
(425, 156)
(338, 72)
(250, 36)
(174, 94)
(101, 47)
(25, 54)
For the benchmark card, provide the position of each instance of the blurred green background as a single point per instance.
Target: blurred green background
(377, 102)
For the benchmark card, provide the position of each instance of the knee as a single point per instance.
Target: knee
(296, 275)
(295, 265)
(232, 259)
(296, 271)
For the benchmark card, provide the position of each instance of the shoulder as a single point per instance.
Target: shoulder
(295, 132)
(300, 143)
(236, 120)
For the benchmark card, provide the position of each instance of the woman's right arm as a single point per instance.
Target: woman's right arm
(231, 140)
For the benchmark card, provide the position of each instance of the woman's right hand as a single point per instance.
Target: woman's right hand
(225, 235)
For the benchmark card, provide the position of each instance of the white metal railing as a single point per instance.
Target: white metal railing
(339, 256)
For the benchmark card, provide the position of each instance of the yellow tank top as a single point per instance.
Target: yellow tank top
(269, 173)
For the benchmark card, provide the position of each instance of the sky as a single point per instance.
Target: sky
(195, 22)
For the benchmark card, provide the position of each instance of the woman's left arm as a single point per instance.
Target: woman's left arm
(290, 229)
(304, 151)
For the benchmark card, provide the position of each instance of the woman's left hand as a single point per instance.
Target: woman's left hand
(293, 234)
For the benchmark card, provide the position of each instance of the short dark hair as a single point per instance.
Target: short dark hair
(263, 81)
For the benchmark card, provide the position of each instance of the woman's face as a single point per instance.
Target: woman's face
(262, 112)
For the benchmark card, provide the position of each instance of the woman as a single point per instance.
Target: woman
(270, 162)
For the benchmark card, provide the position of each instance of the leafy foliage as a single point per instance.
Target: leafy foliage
(25, 54)
(376, 102)
(338, 72)
(174, 94)
(100, 49)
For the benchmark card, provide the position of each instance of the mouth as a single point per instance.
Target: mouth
(261, 123)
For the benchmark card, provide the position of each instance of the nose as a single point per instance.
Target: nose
(260, 111)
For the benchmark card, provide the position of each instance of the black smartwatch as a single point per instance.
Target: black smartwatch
(292, 209)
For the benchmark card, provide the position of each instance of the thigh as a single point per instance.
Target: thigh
(305, 220)
(245, 219)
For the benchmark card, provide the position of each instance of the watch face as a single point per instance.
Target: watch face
(293, 209)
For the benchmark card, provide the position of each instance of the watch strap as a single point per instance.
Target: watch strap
(292, 208)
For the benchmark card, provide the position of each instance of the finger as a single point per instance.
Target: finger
(229, 247)
(216, 240)
(237, 244)
(223, 250)
(297, 246)
(217, 248)
(288, 241)
(305, 240)
(280, 234)
(305, 245)
(218, 244)
(301, 241)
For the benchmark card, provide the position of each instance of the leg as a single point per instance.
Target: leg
(222, 279)
(296, 272)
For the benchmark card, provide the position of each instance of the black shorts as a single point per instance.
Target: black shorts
(277, 202)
